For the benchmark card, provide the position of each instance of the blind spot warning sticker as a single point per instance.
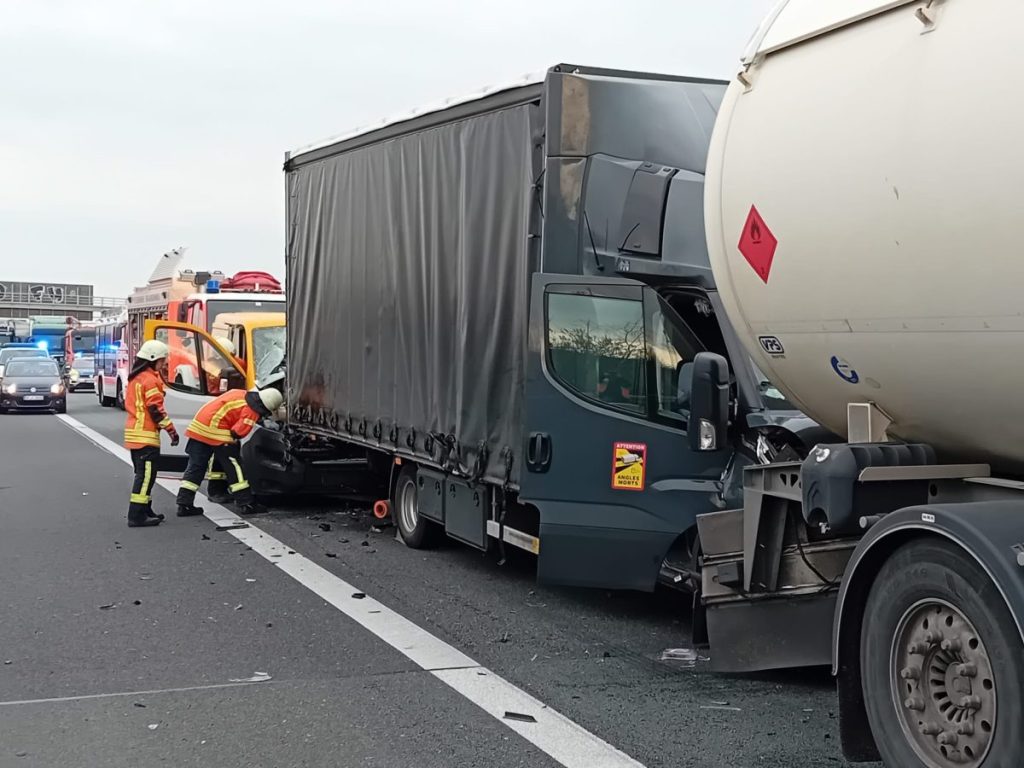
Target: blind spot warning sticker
(629, 466)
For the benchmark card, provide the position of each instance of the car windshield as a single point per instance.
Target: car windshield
(27, 367)
(84, 365)
(8, 354)
(268, 350)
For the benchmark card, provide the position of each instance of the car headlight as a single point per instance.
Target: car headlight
(10, 389)
(57, 389)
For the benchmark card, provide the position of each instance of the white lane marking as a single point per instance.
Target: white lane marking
(87, 696)
(559, 737)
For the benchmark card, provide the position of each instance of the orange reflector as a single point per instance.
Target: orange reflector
(381, 509)
(398, 461)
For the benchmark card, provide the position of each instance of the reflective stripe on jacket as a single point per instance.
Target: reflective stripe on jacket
(220, 417)
(145, 390)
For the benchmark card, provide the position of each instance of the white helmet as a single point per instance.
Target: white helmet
(271, 398)
(228, 345)
(153, 350)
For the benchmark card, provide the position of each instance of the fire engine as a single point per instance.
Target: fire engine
(187, 296)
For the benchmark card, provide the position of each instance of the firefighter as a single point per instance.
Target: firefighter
(144, 402)
(215, 433)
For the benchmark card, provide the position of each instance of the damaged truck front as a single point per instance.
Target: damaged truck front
(494, 313)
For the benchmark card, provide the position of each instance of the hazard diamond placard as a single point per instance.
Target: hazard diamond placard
(758, 244)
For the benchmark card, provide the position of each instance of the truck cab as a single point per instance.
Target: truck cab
(200, 368)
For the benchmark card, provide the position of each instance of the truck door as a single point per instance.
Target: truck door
(198, 370)
(607, 461)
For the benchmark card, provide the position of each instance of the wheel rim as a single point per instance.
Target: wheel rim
(407, 507)
(943, 686)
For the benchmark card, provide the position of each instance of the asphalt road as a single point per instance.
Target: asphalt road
(148, 680)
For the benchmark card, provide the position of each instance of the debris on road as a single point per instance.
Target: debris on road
(232, 526)
(686, 655)
(324, 526)
(154, 726)
(251, 581)
(85, 493)
(108, 606)
(21, 754)
(503, 638)
(520, 717)
(145, 577)
(720, 708)
(137, 602)
(139, 704)
(257, 677)
(330, 554)
(534, 658)
(8, 662)
(205, 537)
(239, 607)
(358, 595)
(343, 541)
(364, 544)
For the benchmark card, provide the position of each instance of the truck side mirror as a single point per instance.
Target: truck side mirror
(709, 402)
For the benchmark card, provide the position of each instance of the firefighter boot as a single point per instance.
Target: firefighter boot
(138, 517)
(217, 491)
(187, 502)
(250, 507)
(151, 514)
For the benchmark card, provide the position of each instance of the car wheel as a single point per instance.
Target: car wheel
(120, 396)
(416, 531)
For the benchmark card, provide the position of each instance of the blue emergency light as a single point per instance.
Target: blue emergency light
(44, 345)
(213, 286)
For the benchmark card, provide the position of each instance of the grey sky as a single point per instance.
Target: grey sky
(128, 128)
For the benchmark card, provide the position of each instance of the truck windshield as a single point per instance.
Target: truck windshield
(268, 350)
(772, 394)
(217, 307)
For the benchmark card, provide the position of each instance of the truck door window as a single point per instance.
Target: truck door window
(219, 374)
(182, 370)
(596, 348)
(672, 351)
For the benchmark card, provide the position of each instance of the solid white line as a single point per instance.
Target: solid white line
(566, 742)
(87, 696)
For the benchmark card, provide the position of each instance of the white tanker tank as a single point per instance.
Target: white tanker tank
(865, 220)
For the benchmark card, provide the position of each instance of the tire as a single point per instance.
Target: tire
(119, 399)
(930, 592)
(416, 531)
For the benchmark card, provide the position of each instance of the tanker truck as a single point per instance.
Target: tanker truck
(864, 156)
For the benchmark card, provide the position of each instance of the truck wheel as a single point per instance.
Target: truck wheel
(941, 662)
(416, 531)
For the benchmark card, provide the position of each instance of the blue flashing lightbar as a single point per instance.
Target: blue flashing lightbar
(44, 344)
(213, 286)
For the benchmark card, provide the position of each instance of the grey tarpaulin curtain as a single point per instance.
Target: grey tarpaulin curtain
(408, 288)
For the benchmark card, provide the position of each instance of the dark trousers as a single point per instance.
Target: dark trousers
(144, 463)
(228, 457)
